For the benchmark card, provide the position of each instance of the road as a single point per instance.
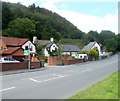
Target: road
(57, 82)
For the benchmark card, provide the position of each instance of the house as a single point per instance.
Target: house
(2, 46)
(14, 47)
(92, 45)
(69, 49)
(50, 46)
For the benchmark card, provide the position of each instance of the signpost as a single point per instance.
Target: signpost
(26, 52)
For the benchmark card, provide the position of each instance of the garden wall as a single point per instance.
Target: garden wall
(17, 66)
(66, 60)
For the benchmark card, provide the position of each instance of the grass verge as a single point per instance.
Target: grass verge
(104, 89)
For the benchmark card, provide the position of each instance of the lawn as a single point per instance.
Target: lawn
(104, 89)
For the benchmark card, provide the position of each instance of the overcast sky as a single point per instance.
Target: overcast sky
(87, 15)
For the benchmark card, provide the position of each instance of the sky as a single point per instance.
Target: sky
(86, 15)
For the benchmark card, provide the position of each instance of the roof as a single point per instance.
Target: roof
(11, 50)
(89, 46)
(2, 45)
(70, 48)
(100, 44)
(10, 41)
(43, 42)
(49, 44)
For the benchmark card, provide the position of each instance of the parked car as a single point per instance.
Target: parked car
(8, 60)
(23, 60)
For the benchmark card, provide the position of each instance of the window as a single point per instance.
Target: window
(26, 47)
(31, 48)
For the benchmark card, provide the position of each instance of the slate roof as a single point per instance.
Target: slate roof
(43, 42)
(89, 46)
(49, 44)
(69, 48)
(10, 41)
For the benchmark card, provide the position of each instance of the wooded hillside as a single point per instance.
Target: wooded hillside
(26, 22)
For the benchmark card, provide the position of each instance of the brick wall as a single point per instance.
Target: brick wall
(67, 60)
(17, 66)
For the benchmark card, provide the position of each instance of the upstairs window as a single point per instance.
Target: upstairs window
(26, 47)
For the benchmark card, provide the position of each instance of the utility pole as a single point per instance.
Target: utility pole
(29, 56)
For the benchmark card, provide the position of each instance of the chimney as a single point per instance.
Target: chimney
(34, 39)
(51, 39)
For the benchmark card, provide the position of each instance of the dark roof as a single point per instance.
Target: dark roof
(89, 46)
(10, 41)
(69, 48)
(43, 42)
(11, 50)
(49, 44)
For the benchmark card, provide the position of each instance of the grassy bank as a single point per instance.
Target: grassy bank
(104, 89)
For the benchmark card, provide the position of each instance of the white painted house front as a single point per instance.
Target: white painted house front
(50, 45)
(30, 45)
(92, 45)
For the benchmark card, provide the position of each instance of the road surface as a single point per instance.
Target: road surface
(57, 82)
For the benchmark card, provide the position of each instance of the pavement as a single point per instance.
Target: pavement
(56, 82)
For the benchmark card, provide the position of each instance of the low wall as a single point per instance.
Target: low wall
(18, 66)
(67, 60)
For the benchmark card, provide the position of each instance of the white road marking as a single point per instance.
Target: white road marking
(86, 70)
(59, 76)
(7, 88)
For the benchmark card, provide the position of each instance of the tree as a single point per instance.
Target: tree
(118, 41)
(93, 35)
(112, 45)
(21, 27)
(93, 53)
(105, 35)
(6, 15)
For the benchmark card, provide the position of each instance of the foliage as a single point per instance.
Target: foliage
(84, 52)
(21, 27)
(104, 89)
(21, 21)
(111, 45)
(48, 24)
(6, 15)
(53, 52)
(93, 53)
(39, 49)
(118, 41)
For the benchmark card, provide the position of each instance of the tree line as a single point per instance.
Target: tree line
(26, 22)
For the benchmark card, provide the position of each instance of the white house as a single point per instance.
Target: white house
(92, 45)
(50, 45)
(69, 49)
(15, 47)
(29, 45)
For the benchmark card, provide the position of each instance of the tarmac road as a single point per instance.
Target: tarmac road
(56, 82)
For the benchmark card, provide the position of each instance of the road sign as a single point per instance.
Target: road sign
(26, 52)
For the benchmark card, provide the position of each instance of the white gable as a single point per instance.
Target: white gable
(98, 47)
(29, 43)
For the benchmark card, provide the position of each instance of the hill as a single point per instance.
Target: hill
(47, 23)
(25, 22)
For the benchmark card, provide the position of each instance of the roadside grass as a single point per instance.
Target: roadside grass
(104, 89)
